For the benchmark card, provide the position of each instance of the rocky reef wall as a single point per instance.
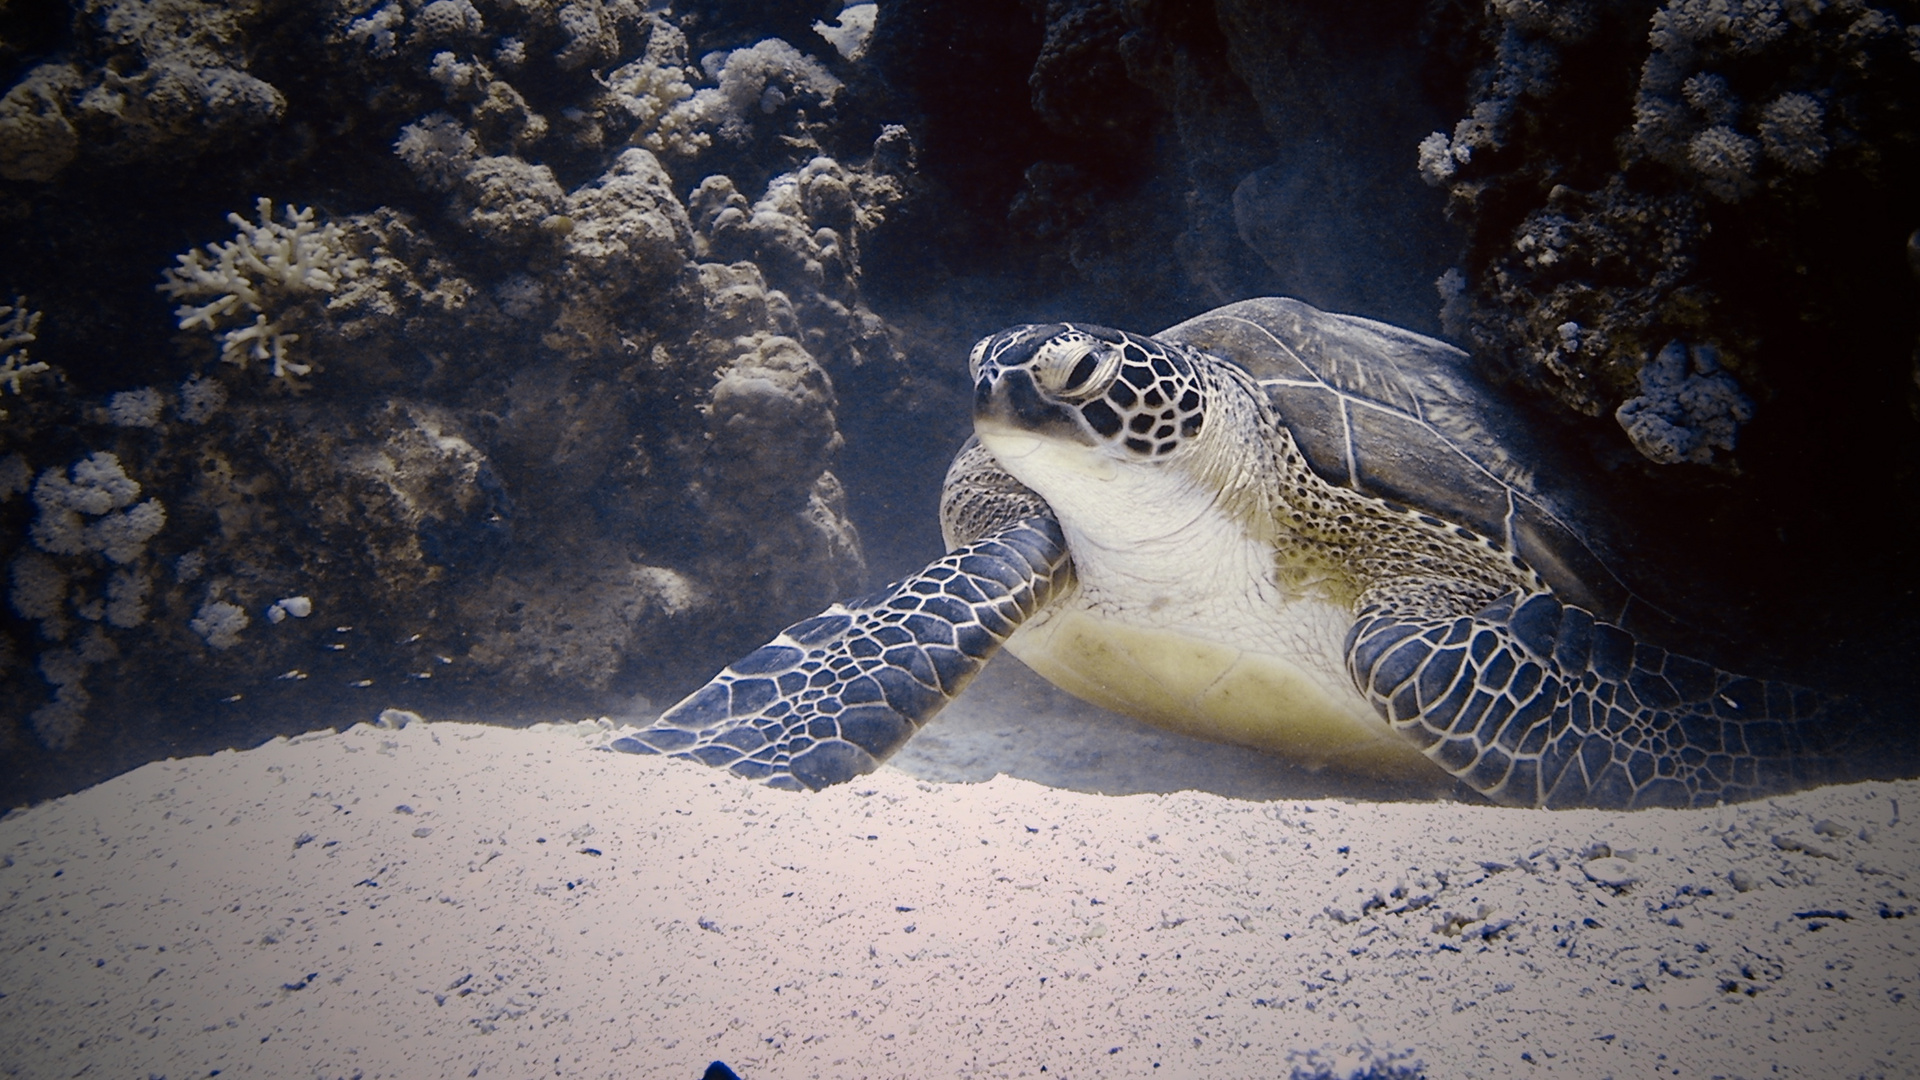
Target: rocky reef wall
(481, 356)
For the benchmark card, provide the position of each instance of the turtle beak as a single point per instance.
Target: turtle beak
(1006, 399)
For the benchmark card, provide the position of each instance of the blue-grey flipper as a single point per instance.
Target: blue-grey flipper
(1535, 703)
(832, 696)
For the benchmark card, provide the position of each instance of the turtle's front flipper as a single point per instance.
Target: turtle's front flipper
(832, 696)
(1536, 704)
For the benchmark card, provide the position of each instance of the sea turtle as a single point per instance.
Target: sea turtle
(1310, 533)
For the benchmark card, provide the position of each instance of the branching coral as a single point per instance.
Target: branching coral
(18, 329)
(39, 593)
(267, 265)
(1790, 130)
(1524, 66)
(649, 92)
(58, 721)
(438, 149)
(1687, 116)
(85, 510)
(127, 593)
(378, 30)
(1724, 160)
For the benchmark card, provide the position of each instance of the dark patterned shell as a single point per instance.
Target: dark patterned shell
(1406, 418)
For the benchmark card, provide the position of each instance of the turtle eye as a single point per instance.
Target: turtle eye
(1081, 372)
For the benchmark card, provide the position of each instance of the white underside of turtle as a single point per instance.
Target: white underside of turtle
(1304, 533)
(1177, 617)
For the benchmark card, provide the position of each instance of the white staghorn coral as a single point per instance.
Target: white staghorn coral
(17, 331)
(256, 272)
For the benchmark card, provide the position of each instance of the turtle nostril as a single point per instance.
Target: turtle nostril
(982, 393)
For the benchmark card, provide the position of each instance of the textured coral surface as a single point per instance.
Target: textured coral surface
(417, 382)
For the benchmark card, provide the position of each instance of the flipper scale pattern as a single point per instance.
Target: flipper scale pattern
(832, 696)
(1545, 705)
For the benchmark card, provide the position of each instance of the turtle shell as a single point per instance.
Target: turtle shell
(1405, 418)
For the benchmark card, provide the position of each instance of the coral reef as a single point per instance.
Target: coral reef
(1681, 204)
(164, 80)
(84, 513)
(749, 84)
(524, 422)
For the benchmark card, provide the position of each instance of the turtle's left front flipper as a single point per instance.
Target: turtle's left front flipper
(832, 696)
(1536, 703)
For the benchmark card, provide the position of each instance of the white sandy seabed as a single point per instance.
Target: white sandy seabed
(458, 900)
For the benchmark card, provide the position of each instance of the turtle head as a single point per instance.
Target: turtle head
(1126, 397)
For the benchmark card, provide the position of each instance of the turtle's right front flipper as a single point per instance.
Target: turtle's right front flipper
(832, 696)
